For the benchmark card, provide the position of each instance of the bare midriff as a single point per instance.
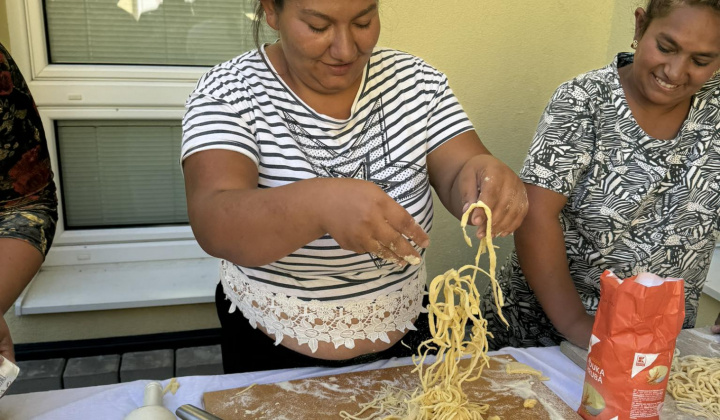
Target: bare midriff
(327, 351)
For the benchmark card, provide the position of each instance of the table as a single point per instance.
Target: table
(116, 401)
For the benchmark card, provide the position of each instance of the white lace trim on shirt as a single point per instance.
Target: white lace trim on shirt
(340, 323)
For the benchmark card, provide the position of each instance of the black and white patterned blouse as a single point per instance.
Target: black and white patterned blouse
(635, 203)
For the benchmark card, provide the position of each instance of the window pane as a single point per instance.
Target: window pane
(149, 32)
(121, 173)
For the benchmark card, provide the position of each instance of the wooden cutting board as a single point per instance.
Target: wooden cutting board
(696, 341)
(325, 397)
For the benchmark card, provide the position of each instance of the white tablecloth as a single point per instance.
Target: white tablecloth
(111, 402)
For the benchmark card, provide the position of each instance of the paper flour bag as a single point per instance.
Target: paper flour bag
(631, 348)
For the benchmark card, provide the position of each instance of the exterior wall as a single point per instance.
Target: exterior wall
(504, 59)
(708, 311)
(117, 323)
(4, 33)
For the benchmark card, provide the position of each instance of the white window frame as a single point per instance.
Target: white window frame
(106, 92)
(26, 24)
(78, 247)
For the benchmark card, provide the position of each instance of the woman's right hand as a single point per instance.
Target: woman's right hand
(235, 220)
(362, 218)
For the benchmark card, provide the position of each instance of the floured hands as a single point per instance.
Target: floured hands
(362, 218)
(486, 178)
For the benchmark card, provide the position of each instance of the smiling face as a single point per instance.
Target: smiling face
(326, 43)
(676, 55)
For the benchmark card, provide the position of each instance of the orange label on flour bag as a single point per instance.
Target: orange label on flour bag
(632, 345)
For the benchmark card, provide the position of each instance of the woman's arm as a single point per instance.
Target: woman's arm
(540, 245)
(233, 219)
(19, 261)
(462, 171)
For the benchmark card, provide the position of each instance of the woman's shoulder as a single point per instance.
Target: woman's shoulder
(236, 71)
(710, 92)
(593, 86)
(387, 58)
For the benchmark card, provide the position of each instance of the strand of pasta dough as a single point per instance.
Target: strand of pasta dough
(695, 385)
(441, 396)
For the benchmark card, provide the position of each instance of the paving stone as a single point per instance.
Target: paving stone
(205, 360)
(155, 364)
(38, 375)
(91, 371)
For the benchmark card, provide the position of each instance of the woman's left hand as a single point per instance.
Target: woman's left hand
(486, 178)
(716, 328)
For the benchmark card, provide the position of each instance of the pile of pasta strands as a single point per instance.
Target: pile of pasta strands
(695, 385)
(441, 396)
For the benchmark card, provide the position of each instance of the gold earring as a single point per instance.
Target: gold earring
(634, 44)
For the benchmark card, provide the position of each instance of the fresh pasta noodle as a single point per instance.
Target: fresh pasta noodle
(172, 386)
(440, 396)
(530, 403)
(695, 385)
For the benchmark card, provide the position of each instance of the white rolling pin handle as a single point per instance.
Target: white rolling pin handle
(153, 394)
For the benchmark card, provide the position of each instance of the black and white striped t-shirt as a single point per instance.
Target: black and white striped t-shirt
(403, 111)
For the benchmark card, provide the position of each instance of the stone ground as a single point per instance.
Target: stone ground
(52, 374)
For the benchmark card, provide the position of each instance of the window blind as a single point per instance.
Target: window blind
(121, 173)
(149, 32)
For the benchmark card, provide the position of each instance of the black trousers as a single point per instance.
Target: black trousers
(246, 349)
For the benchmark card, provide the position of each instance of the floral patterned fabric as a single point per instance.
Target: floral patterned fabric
(28, 203)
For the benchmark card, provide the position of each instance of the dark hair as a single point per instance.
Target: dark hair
(260, 17)
(660, 8)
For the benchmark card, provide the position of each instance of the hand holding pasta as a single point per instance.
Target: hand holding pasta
(441, 396)
(362, 218)
(486, 179)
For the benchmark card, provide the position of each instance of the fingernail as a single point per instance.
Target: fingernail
(465, 207)
(425, 243)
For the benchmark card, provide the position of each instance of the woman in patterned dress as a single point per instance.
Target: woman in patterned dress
(28, 206)
(624, 174)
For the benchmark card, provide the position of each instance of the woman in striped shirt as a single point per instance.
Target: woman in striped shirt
(308, 165)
